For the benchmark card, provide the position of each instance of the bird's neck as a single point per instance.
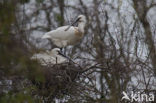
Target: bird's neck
(81, 27)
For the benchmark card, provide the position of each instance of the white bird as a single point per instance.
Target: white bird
(67, 35)
(50, 57)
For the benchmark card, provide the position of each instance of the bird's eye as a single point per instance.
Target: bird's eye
(79, 18)
(58, 51)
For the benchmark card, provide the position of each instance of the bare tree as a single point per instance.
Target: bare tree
(117, 53)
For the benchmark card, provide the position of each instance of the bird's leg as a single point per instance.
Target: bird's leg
(56, 60)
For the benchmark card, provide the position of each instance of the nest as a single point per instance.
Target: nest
(59, 79)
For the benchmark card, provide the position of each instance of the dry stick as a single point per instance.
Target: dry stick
(70, 59)
(81, 71)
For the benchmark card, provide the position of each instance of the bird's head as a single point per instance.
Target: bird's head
(80, 19)
(56, 51)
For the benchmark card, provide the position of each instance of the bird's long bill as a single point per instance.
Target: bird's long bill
(75, 21)
(63, 55)
(72, 24)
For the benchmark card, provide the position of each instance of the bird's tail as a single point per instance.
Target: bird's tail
(46, 36)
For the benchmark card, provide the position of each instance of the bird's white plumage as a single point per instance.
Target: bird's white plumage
(62, 37)
(49, 57)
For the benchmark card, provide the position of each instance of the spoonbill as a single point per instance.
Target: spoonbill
(67, 35)
(50, 57)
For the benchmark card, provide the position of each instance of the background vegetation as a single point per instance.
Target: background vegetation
(118, 52)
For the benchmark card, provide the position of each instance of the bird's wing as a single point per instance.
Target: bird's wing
(61, 59)
(43, 58)
(60, 37)
(59, 43)
(60, 33)
(39, 55)
(46, 58)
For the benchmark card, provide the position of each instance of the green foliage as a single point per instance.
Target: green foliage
(39, 1)
(24, 1)
(7, 16)
(6, 19)
(35, 71)
(14, 57)
(59, 19)
(19, 97)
